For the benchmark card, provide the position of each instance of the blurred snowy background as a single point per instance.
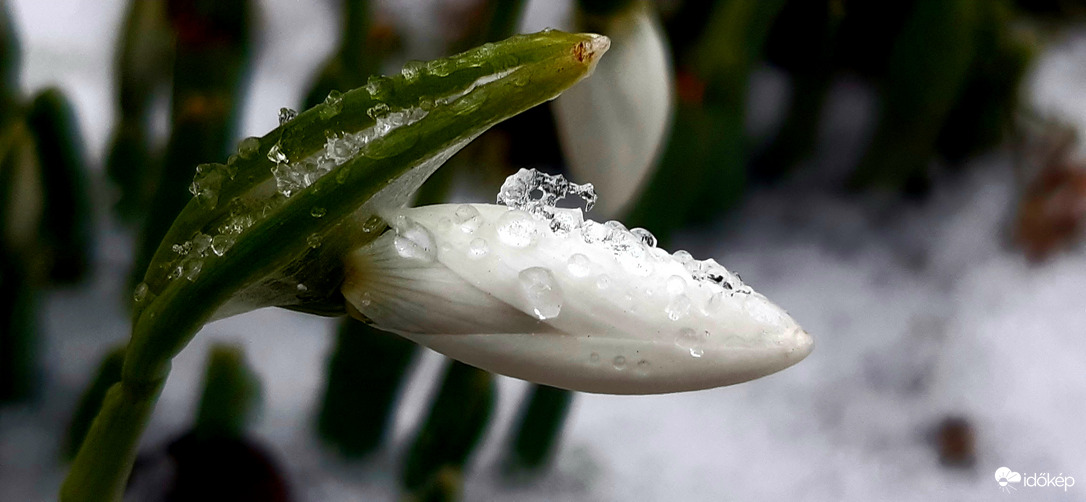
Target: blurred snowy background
(935, 338)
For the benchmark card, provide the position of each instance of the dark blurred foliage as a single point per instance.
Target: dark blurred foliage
(65, 229)
(205, 105)
(45, 213)
(142, 75)
(539, 428)
(702, 170)
(232, 395)
(216, 459)
(452, 429)
(366, 372)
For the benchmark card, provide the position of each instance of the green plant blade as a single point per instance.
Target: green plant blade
(65, 230)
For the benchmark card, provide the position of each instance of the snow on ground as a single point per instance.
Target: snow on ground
(919, 312)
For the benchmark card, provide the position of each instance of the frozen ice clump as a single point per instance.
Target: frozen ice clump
(519, 189)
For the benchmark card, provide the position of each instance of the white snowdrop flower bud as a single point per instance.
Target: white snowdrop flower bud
(548, 297)
(612, 126)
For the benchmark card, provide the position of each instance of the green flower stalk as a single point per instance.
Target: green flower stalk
(270, 226)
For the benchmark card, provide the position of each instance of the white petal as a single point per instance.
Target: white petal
(612, 126)
(552, 308)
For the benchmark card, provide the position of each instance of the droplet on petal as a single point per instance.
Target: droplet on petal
(517, 229)
(542, 292)
(579, 265)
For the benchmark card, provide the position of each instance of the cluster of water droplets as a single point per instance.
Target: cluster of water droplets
(293, 176)
(535, 196)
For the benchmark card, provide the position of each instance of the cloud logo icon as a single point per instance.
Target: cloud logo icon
(1005, 476)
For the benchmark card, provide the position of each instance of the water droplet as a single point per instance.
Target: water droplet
(594, 232)
(248, 147)
(468, 218)
(619, 363)
(678, 307)
(521, 78)
(635, 262)
(440, 67)
(190, 268)
(413, 241)
(468, 103)
(343, 173)
(542, 293)
(379, 87)
(517, 229)
(378, 110)
(579, 265)
(692, 341)
(276, 155)
(318, 212)
(714, 303)
(564, 221)
(201, 242)
(141, 292)
(478, 248)
(594, 357)
(286, 115)
(207, 182)
(221, 243)
(676, 285)
(333, 104)
(603, 282)
(646, 237)
(372, 224)
(412, 70)
(302, 287)
(314, 241)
